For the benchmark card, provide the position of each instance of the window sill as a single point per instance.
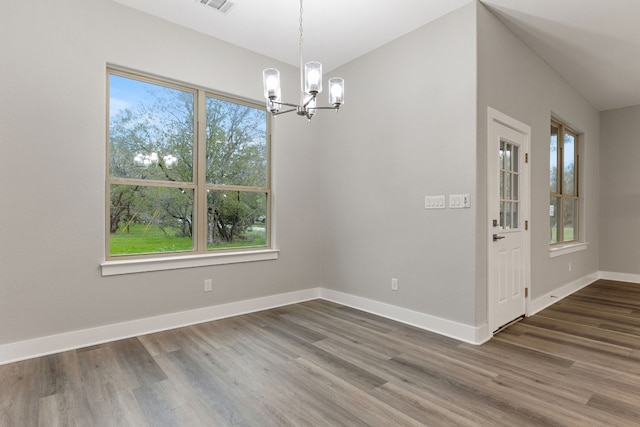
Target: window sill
(555, 251)
(112, 268)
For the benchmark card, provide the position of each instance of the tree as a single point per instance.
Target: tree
(151, 144)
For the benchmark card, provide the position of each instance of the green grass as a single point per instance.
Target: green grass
(568, 234)
(252, 238)
(142, 239)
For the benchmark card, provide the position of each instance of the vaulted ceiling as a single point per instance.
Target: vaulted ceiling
(593, 44)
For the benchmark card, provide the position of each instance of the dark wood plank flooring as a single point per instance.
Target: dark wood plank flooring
(317, 363)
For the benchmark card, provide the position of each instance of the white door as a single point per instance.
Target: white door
(508, 209)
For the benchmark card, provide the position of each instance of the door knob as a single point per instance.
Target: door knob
(496, 237)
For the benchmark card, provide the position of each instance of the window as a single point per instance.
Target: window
(509, 186)
(188, 170)
(564, 207)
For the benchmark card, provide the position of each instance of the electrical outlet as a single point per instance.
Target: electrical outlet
(570, 266)
(208, 285)
(394, 284)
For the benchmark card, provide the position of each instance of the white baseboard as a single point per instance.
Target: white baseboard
(22, 350)
(556, 295)
(459, 331)
(51, 344)
(620, 277)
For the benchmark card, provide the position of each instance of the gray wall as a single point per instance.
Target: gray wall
(52, 134)
(620, 189)
(517, 82)
(349, 194)
(407, 130)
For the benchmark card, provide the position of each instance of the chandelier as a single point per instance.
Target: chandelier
(310, 87)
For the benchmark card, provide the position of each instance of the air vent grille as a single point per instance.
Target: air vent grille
(223, 6)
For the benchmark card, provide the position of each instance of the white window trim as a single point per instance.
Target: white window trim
(569, 248)
(141, 265)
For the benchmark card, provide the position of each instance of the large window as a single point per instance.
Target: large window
(564, 207)
(188, 170)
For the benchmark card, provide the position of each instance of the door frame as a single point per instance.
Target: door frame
(495, 116)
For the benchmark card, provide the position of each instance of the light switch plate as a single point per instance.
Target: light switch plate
(434, 202)
(459, 201)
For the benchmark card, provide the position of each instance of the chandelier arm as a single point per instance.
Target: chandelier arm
(285, 111)
(286, 103)
(311, 98)
(325, 108)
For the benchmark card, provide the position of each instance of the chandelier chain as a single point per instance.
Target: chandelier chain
(301, 29)
(301, 57)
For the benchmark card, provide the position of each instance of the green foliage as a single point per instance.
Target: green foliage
(153, 143)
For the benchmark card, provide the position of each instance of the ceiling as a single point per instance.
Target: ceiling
(593, 44)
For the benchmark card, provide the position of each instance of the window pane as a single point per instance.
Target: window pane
(568, 167)
(150, 219)
(507, 185)
(507, 215)
(236, 144)
(236, 219)
(507, 157)
(554, 219)
(515, 206)
(150, 131)
(553, 157)
(570, 219)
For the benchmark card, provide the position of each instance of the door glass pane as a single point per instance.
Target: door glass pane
(554, 219)
(553, 157)
(147, 220)
(507, 157)
(569, 166)
(507, 185)
(570, 220)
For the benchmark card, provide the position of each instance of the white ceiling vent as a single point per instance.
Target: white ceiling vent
(223, 6)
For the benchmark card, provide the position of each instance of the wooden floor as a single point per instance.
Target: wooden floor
(322, 364)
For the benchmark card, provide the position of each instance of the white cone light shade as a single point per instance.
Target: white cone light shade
(271, 81)
(313, 77)
(336, 91)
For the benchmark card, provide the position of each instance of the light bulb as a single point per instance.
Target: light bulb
(271, 81)
(313, 77)
(336, 91)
